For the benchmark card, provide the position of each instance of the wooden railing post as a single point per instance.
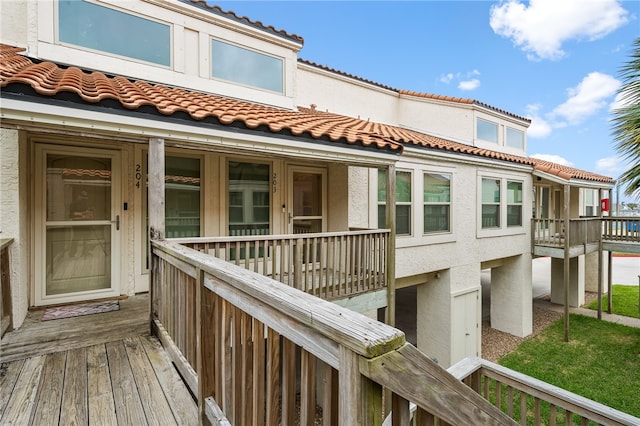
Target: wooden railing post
(155, 175)
(205, 345)
(6, 303)
(349, 389)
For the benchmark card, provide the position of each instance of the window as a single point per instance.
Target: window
(514, 203)
(97, 27)
(490, 203)
(249, 198)
(245, 66)
(487, 131)
(515, 138)
(591, 207)
(403, 201)
(437, 202)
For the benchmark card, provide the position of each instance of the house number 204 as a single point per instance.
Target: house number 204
(138, 175)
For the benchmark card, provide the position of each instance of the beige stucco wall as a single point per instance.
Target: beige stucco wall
(13, 16)
(359, 206)
(340, 95)
(13, 216)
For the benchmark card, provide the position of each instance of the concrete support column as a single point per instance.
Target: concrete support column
(448, 326)
(576, 281)
(433, 310)
(591, 272)
(511, 296)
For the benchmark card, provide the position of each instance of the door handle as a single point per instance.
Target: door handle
(117, 222)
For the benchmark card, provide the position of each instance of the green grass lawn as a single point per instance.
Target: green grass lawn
(625, 301)
(600, 362)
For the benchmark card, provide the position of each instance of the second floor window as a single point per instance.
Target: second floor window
(487, 131)
(514, 203)
(96, 27)
(490, 203)
(403, 201)
(515, 138)
(437, 202)
(248, 67)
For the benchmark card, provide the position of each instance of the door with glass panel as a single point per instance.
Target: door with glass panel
(77, 209)
(306, 201)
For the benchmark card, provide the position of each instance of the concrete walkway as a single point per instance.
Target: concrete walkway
(628, 321)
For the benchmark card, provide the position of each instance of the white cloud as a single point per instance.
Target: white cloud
(553, 158)
(446, 78)
(543, 26)
(539, 127)
(621, 100)
(610, 166)
(472, 84)
(586, 99)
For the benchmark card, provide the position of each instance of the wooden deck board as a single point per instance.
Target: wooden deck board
(22, 400)
(50, 394)
(155, 404)
(175, 389)
(37, 337)
(102, 409)
(88, 374)
(128, 404)
(9, 373)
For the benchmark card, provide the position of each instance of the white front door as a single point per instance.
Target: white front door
(77, 207)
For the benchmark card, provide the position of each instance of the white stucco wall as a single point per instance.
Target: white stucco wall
(436, 117)
(359, 205)
(13, 217)
(13, 17)
(334, 93)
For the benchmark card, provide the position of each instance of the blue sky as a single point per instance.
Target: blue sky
(554, 61)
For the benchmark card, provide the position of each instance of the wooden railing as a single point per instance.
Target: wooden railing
(329, 265)
(260, 352)
(6, 310)
(551, 232)
(626, 229)
(534, 402)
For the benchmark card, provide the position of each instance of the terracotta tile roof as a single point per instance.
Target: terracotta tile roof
(217, 10)
(567, 173)
(75, 85)
(418, 139)
(49, 79)
(463, 101)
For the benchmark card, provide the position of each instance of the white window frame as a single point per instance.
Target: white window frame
(427, 203)
(503, 228)
(497, 126)
(398, 203)
(247, 48)
(56, 35)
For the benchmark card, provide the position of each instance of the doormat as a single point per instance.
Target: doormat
(80, 310)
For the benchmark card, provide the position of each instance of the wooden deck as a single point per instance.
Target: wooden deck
(101, 369)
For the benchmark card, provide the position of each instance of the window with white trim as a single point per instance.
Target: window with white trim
(591, 207)
(403, 201)
(486, 130)
(248, 67)
(490, 203)
(515, 138)
(437, 202)
(514, 203)
(89, 25)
